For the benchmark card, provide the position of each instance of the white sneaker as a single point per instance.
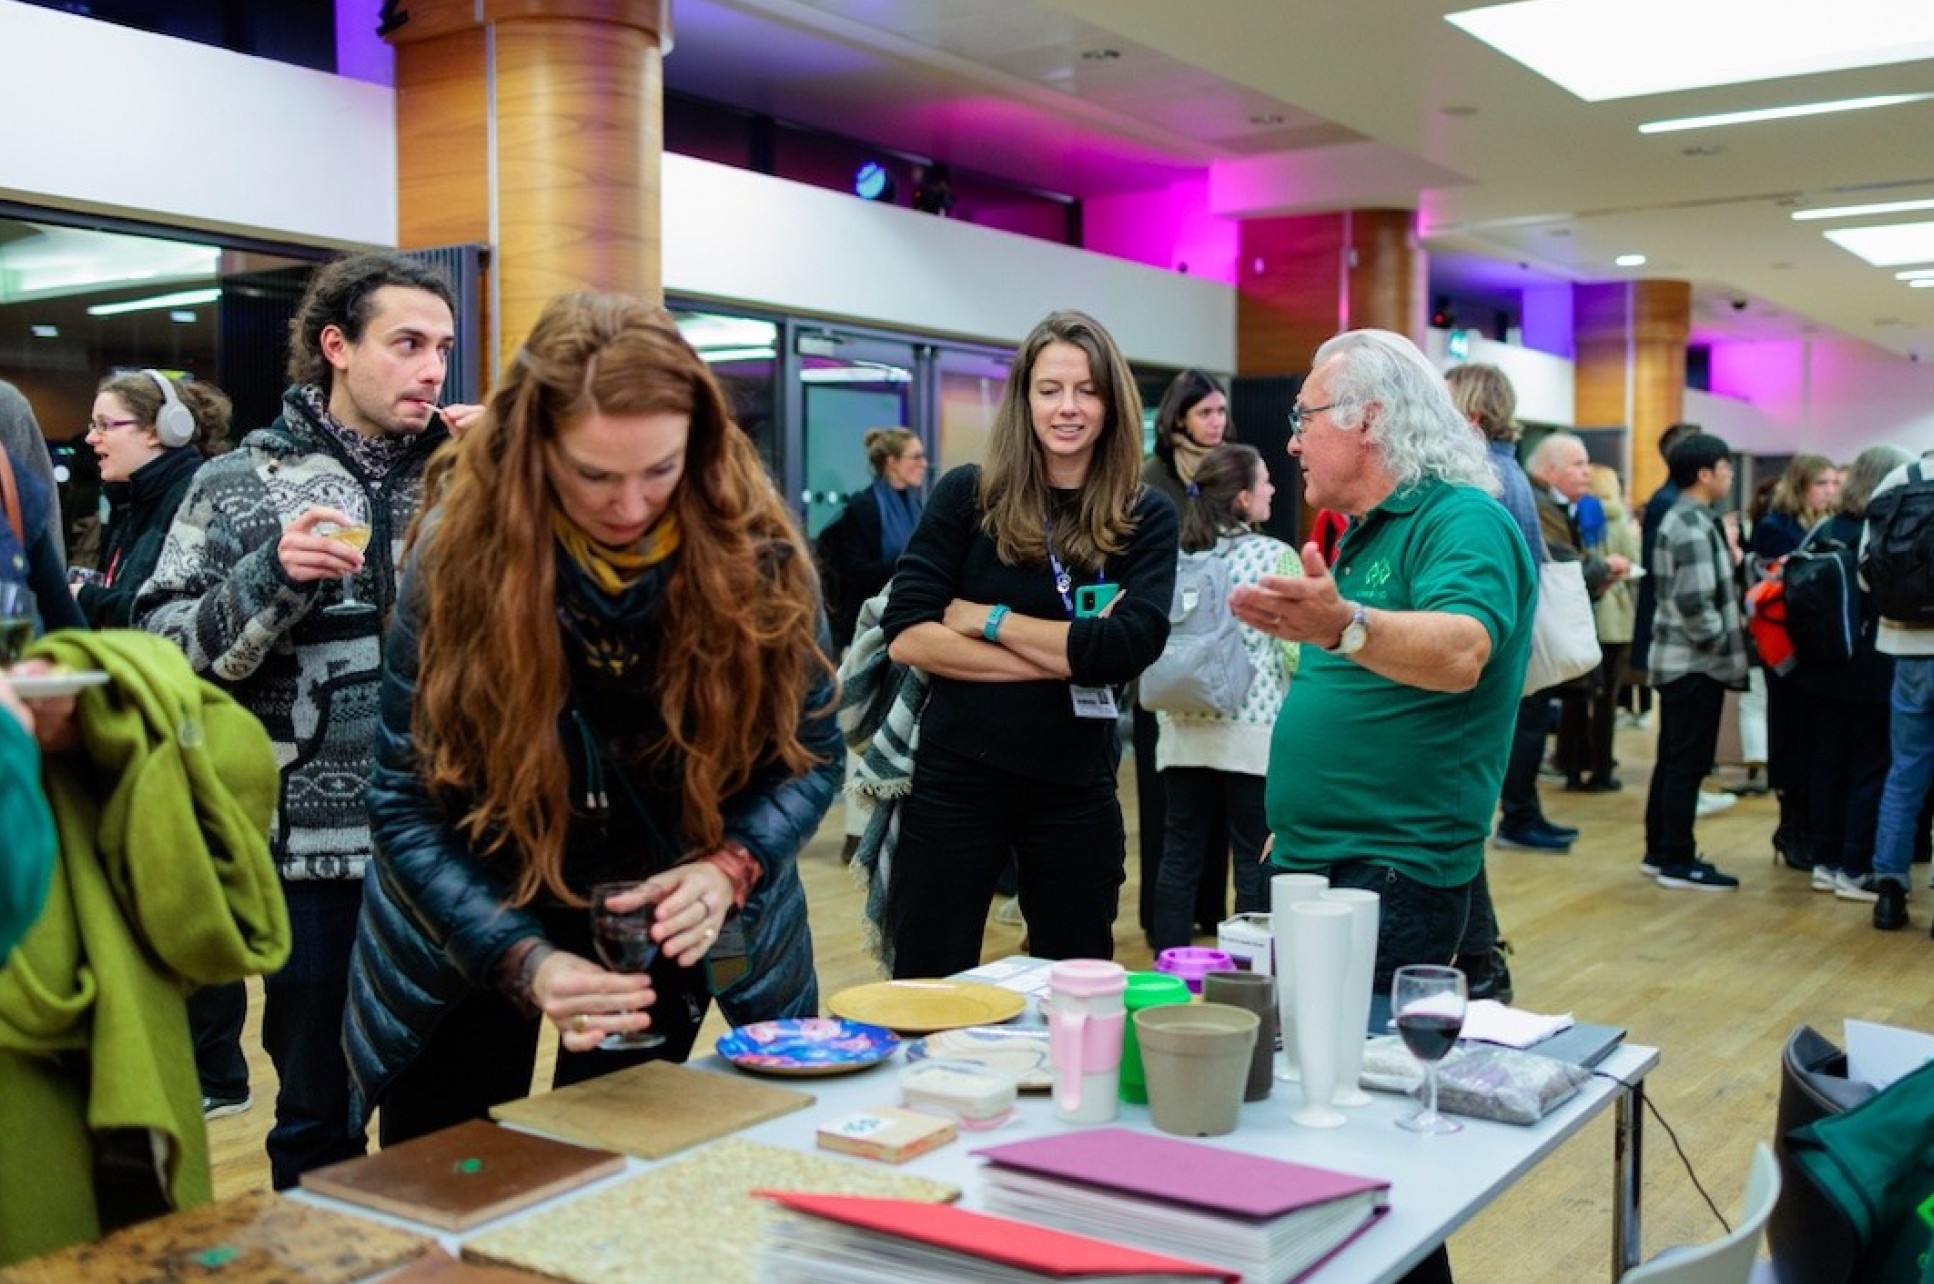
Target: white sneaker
(1825, 878)
(1710, 802)
(1856, 887)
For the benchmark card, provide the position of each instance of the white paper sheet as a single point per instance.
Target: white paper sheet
(1879, 1054)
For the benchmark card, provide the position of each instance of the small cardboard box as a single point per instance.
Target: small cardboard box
(887, 1133)
(1246, 939)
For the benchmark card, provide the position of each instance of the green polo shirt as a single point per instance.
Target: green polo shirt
(1364, 768)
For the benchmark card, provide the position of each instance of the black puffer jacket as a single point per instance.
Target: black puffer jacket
(435, 923)
(140, 510)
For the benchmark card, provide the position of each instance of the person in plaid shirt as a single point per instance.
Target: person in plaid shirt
(1698, 653)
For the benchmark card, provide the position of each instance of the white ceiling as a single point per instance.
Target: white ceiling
(1358, 103)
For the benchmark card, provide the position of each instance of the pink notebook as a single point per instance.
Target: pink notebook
(1050, 1253)
(1174, 1171)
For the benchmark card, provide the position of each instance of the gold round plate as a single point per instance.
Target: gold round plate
(923, 1007)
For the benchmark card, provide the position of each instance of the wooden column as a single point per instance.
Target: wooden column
(1631, 367)
(1303, 278)
(534, 126)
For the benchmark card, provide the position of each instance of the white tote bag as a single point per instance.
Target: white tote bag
(1564, 635)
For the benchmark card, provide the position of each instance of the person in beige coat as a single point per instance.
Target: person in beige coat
(1616, 613)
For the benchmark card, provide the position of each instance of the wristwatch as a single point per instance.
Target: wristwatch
(1355, 633)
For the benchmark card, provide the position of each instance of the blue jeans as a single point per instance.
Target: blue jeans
(1911, 771)
(302, 1015)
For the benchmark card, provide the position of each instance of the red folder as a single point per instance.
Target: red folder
(1052, 1253)
(1187, 1173)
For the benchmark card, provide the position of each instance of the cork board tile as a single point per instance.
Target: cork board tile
(258, 1238)
(695, 1221)
(653, 1110)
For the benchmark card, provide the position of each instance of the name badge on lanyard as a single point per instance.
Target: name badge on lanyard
(1089, 702)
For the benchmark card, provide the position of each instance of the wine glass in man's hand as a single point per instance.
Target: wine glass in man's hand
(623, 941)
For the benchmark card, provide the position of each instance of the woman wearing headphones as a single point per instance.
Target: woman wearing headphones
(148, 433)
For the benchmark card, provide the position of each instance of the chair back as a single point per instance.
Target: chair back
(1812, 1241)
(1728, 1260)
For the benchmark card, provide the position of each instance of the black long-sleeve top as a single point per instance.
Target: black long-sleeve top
(1029, 728)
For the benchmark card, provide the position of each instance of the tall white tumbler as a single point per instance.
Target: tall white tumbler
(1322, 955)
(1354, 1019)
(1286, 890)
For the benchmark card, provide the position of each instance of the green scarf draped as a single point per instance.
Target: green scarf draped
(164, 883)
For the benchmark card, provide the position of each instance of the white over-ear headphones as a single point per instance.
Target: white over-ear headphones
(175, 424)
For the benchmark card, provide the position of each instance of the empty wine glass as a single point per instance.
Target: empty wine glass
(356, 535)
(16, 621)
(623, 941)
(1429, 1005)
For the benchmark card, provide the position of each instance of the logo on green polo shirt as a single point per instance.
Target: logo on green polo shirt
(1376, 576)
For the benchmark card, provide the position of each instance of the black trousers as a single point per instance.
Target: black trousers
(1209, 813)
(1847, 757)
(1518, 798)
(215, 1017)
(1603, 721)
(1151, 812)
(1689, 710)
(959, 826)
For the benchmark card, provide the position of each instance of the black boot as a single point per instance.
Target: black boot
(1890, 911)
(1791, 841)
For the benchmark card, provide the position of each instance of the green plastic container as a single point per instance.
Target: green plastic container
(1145, 990)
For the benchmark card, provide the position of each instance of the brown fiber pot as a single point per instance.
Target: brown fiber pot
(1196, 1058)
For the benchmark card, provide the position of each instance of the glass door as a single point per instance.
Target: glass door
(849, 385)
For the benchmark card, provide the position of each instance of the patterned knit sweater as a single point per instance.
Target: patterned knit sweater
(220, 592)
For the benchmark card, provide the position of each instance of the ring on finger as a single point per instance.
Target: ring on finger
(580, 1023)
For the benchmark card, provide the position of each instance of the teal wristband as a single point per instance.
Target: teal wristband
(992, 629)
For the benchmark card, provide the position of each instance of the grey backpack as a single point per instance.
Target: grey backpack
(1204, 668)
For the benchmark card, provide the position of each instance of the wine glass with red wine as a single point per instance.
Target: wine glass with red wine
(623, 941)
(1429, 1005)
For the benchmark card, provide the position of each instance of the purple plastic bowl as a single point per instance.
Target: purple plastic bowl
(1192, 963)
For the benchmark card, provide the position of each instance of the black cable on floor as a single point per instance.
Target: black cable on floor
(1684, 1159)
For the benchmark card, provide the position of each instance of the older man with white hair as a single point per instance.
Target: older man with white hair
(1388, 753)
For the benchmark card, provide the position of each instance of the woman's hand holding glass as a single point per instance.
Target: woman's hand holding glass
(588, 1003)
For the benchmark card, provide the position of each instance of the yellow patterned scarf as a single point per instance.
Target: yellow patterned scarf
(616, 569)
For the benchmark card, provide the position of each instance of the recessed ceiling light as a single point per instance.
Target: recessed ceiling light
(181, 298)
(46, 331)
(1887, 246)
(1266, 118)
(1915, 274)
(1600, 51)
(1778, 113)
(1630, 260)
(1703, 149)
(1100, 55)
(1857, 211)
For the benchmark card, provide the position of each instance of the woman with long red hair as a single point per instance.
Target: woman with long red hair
(608, 665)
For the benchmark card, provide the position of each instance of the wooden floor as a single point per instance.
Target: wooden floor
(1714, 980)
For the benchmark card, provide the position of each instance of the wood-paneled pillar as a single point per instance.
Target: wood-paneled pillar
(534, 126)
(1630, 338)
(1303, 278)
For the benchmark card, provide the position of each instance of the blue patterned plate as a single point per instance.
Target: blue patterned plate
(807, 1046)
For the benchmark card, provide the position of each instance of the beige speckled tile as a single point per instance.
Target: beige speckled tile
(693, 1221)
